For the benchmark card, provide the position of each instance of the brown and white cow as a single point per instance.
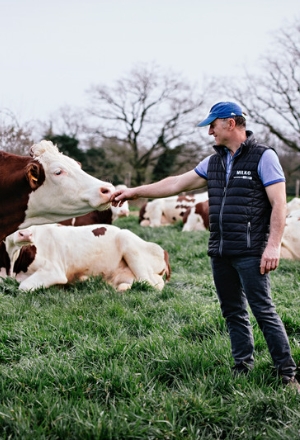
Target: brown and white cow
(168, 210)
(55, 254)
(290, 243)
(46, 187)
(196, 218)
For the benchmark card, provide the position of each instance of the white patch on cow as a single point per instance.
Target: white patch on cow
(194, 222)
(293, 205)
(290, 243)
(3, 273)
(295, 213)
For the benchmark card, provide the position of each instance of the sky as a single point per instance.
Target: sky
(52, 52)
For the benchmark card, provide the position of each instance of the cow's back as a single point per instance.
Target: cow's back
(94, 217)
(290, 243)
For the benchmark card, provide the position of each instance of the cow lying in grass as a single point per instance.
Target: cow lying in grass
(52, 254)
(168, 210)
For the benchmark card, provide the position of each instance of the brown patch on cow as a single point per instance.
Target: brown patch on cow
(26, 257)
(99, 231)
(92, 218)
(4, 258)
(202, 209)
(167, 270)
(142, 212)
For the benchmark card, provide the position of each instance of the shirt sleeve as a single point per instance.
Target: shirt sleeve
(269, 168)
(201, 168)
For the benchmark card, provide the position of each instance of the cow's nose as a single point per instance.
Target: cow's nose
(105, 190)
(24, 235)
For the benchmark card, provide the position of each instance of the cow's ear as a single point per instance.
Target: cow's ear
(35, 174)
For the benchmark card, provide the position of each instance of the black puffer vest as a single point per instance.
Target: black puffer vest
(239, 210)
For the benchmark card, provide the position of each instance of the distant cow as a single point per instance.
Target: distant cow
(293, 205)
(168, 210)
(196, 218)
(46, 187)
(120, 211)
(290, 243)
(56, 254)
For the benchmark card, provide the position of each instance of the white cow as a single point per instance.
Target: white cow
(293, 205)
(290, 243)
(168, 210)
(57, 254)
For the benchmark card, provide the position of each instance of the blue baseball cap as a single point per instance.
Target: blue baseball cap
(221, 110)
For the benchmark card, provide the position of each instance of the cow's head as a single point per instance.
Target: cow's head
(66, 191)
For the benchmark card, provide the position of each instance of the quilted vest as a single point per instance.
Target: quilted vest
(239, 209)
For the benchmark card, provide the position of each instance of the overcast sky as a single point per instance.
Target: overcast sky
(51, 52)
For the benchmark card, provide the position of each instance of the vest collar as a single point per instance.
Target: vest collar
(250, 141)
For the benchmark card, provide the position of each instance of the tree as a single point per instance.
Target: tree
(14, 138)
(67, 145)
(272, 99)
(148, 112)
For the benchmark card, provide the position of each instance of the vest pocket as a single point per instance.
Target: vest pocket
(249, 235)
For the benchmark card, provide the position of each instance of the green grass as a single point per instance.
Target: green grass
(86, 362)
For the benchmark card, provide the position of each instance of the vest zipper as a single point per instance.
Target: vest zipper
(221, 212)
(249, 235)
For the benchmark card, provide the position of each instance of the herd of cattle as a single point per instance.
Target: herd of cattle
(56, 225)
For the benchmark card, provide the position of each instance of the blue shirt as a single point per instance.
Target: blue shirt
(269, 168)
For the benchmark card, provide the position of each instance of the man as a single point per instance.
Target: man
(247, 211)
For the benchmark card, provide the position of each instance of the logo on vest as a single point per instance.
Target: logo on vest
(242, 174)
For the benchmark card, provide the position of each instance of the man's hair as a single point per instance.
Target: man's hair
(240, 121)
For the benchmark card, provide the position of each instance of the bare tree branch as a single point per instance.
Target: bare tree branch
(149, 111)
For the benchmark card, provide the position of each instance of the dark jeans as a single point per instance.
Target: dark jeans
(238, 281)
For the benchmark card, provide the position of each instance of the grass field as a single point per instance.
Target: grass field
(86, 362)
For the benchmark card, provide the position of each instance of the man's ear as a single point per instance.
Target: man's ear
(231, 123)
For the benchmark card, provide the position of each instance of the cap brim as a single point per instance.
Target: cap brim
(210, 118)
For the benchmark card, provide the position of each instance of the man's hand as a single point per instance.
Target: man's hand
(270, 259)
(121, 195)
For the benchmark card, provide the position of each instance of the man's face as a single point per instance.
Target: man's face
(219, 128)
